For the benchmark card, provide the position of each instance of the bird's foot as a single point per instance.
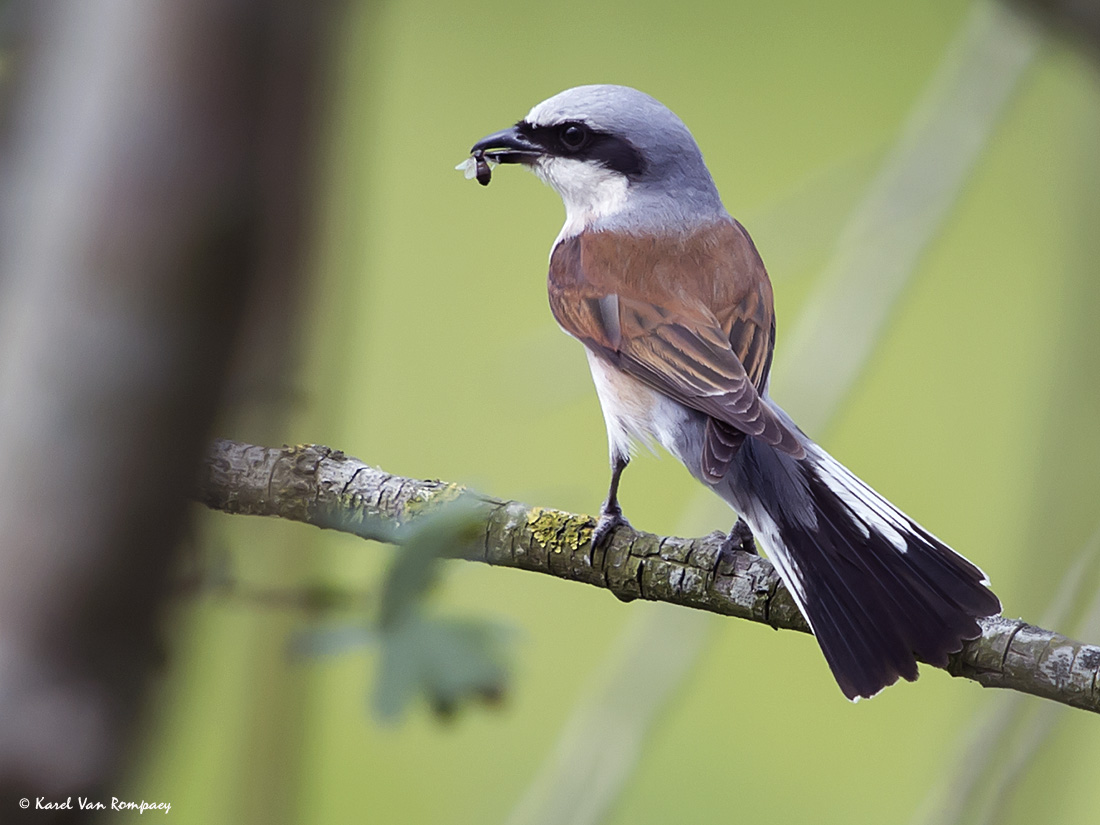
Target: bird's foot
(740, 538)
(610, 518)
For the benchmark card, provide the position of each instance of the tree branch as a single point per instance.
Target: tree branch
(323, 487)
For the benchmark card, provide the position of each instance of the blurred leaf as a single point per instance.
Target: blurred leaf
(330, 641)
(441, 534)
(450, 661)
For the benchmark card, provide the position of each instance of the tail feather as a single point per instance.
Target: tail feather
(878, 590)
(854, 632)
(909, 590)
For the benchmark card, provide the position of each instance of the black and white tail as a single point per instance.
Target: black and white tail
(878, 590)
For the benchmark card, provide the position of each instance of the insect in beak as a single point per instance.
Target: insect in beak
(478, 166)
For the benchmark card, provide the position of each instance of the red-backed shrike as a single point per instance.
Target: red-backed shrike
(674, 307)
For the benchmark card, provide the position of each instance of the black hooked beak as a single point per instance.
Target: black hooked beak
(507, 146)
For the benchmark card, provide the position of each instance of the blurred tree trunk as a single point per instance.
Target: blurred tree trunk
(154, 171)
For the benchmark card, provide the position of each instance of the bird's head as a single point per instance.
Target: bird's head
(618, 158)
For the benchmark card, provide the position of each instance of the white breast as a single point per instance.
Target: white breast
(634, 412)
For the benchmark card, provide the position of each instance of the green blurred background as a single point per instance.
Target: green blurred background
(429, 350)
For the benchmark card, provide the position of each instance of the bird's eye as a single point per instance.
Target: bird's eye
(573, 136)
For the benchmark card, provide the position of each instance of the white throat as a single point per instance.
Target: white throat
(589, 191)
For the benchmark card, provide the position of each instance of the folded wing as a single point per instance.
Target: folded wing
(623, 299)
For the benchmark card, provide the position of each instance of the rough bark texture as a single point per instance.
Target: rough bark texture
(324, 487)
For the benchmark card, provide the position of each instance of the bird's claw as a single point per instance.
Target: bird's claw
(740, 538)
(605, 526)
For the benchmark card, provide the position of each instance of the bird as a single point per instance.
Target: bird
(673, 304)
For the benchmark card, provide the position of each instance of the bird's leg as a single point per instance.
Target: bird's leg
(611, 515)
(740, 538)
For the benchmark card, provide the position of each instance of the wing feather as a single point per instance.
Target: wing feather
(708, 348)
